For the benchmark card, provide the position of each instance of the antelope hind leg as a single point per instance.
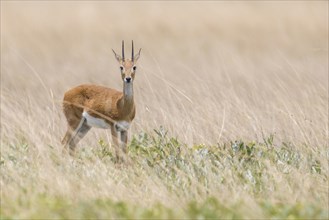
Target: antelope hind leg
(72, 138)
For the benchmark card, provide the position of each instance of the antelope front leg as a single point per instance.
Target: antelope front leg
(124, 140)
(123, 146)
(120, 129)
(115, 139)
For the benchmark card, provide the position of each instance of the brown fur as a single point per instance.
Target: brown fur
(100, 102)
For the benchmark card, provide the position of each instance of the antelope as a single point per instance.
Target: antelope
(87, 106)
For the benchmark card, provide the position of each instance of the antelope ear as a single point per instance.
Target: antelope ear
(117, 57)
(136, 57)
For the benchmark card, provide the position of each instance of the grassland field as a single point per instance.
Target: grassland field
(232, 110)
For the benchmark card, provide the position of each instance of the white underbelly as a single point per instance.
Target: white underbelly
(95, 122)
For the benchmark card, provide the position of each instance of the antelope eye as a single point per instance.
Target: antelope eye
(134, 68)
(121, 68)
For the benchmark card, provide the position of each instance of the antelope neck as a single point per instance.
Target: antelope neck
(128, 96)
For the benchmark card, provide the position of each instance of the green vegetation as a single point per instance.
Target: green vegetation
(59, 208)
(186, 172)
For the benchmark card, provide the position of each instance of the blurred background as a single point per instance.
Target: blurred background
(209, 72)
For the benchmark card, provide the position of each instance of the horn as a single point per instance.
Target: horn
(123, 50)
(132, 51)
(114, 52)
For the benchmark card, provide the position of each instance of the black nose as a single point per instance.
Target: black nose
(128, 79)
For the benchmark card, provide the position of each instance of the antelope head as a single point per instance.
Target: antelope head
(127, 66)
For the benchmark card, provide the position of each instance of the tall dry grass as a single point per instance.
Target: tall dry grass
(210, 73)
